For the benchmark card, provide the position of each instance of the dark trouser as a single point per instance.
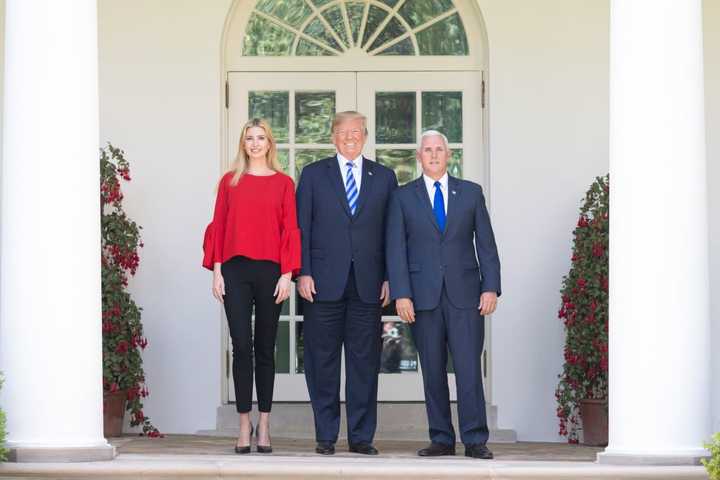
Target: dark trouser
(252, 282)
(463, 331)
(329, 325)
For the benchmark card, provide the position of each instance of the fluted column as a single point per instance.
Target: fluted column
(659, 291)
(50, 337)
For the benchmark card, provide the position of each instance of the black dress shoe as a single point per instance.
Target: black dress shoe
(261, 448)
(437, 450)
(244, 449)
(478, 451)
(364, 448)
(325, 448)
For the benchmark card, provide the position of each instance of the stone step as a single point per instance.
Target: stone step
(396, 421)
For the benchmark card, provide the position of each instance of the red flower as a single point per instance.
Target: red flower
(581, 283)
(122, 347)
(114, 387)
(598, 250)
(582, 222)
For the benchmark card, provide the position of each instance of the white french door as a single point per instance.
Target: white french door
(399, 106)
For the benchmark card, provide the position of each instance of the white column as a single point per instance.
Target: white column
(659, 291)
(50, 337)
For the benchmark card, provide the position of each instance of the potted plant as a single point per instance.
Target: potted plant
(123, 377)
(3, 450)
(712, 465)
(582, 391)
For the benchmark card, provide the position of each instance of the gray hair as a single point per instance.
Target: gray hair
(433, 133)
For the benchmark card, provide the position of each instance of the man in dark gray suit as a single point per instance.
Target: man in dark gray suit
(444, 277)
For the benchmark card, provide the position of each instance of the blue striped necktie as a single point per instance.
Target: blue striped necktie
(351, 190)
(439, 207)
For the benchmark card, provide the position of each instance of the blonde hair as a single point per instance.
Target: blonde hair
(240, 164)
(348, 115)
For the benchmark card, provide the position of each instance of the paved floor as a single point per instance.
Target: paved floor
(206, 445)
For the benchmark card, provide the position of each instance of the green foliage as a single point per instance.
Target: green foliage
(3, 450)
(123, 339)
(713, 464)
(584, 312)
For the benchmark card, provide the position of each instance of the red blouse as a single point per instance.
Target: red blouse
(256, 219)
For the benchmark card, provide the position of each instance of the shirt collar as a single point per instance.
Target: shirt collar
(357, 163)
(430, 183)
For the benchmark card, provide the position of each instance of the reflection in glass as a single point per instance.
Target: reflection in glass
(299, 348)
(417, 12)
(442, 111)
(293, 12)
(403, 47)
(274, 108)
(314, 112)
(446, 37)
(282, 348)
(375, 16)
(309, 49)
(401, 161)
(284, 159)
(320, 3)
(392, 30)
(455, 164)
(395, 117)
(316, 29)
(398, 350)
(304, 157)
(389, 3)
(265, 38)
(355, 11)
(335, 18)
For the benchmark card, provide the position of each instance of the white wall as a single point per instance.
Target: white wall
(712, 115)
(160, 101)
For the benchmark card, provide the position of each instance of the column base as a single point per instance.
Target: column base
(670, 458)
(61, 454)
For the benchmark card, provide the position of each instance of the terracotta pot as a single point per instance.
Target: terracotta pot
(113, 413)
(594, 414)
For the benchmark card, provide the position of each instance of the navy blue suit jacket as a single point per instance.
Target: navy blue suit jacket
(420, 257)
(332, 238)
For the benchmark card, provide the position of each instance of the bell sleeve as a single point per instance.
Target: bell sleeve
(290, 233)
(214, 239)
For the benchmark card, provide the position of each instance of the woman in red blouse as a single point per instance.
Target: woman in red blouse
(253, 248)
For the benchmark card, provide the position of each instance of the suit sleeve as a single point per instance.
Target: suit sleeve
(396, 251)
(393, 187)
(304, 219)
(486, 249)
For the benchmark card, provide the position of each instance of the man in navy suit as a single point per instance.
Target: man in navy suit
(445, 277)
(342, 204)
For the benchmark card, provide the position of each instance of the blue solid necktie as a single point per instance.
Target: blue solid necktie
(439, 207)
(351, 190)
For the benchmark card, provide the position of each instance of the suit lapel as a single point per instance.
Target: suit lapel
(335, 178)
(453, 197)
(425, 203)
(366, 185)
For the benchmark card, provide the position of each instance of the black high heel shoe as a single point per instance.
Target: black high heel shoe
(262, 448)
(245, 449)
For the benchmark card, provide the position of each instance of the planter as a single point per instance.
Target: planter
(114, 413)
(594, 414)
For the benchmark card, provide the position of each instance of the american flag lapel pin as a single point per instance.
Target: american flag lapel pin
(454, 192)
(370, 173)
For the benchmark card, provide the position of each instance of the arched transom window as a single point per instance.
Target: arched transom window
(335, 27)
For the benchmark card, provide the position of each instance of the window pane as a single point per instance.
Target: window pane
(444, 38)
(293, 12)
(304, 157)
(398, 350)
(265, 38)
(320, 3)
(404, 47)
(455, 164)
(355, 12)
(417, 12)
(401, 161)
(395, 117)
(375, 17)
(314, 112)
(309, 49)
(316, 29)
(273, 107)
(389, 3)
(442, 111)
(335, 18)
(391, 31)
(299, 348)
(282, 348)
(284, 160)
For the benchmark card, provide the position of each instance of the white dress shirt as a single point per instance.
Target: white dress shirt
(356, 170)
(430, 185)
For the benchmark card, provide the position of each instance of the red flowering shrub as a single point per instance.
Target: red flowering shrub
(584, 312)
(122, 331)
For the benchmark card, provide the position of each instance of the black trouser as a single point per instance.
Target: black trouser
(252, 282)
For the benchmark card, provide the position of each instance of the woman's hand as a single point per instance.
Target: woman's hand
(282, 289)
(218, 287)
